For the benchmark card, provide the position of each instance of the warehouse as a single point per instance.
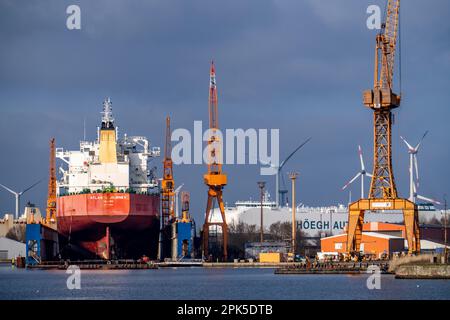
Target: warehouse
(371, 243)
(11, 249)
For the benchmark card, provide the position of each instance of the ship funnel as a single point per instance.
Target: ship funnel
(108, 148)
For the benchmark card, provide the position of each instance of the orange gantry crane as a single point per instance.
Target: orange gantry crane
(381, 99)
(215, 179)
(51, 193)
(167, 184)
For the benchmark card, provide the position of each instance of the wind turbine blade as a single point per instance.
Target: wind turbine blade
(351, 181)
(30, 187)
(269, 164)
(293, 152)
(423, 137)
(179, 188)
(369, 174)
(407, 144)
(361, 158)
(8, 189)
(428, 199)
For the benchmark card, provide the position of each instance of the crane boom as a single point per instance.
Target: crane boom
(389, 42)
(168, 145)
(214, 147)
(386, 41)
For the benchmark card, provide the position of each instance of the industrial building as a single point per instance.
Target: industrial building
(6, 224)
(11, 249)
(253, 250)
(385, 238)
(428, 246)
(371, 243)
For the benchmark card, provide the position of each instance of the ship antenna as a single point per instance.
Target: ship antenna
(107, 119)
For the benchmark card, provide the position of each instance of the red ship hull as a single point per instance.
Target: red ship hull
(110, 225)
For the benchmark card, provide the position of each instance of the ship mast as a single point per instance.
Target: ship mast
(107, 118)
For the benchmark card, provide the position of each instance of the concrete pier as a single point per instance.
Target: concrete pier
(424, 271)
(334, 268)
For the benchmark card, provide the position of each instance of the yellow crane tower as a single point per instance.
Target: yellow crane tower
(167, 198)
(51, 193)
(381, 99)
(167, 183)
(215, 179)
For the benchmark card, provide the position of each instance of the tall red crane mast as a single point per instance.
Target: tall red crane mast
(215, 179)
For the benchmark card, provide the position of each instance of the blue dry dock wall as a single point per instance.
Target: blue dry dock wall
(184, 234)
(33, 243)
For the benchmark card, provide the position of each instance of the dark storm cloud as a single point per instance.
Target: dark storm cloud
(295, 65)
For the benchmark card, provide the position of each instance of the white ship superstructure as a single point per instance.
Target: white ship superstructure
(129, 170)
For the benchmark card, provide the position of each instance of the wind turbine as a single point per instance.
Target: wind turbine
(177, 191)
(278, 171)
(18, 195)
(414, 168)
(363, 173)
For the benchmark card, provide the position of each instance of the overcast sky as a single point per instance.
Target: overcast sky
(295, 65)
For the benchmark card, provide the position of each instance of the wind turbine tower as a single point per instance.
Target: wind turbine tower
(363, 173)
(278, 192)
(414, 172)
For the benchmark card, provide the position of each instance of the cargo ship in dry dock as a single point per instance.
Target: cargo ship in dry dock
(107, 198)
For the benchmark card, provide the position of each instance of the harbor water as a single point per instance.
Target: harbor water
(204, 283)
